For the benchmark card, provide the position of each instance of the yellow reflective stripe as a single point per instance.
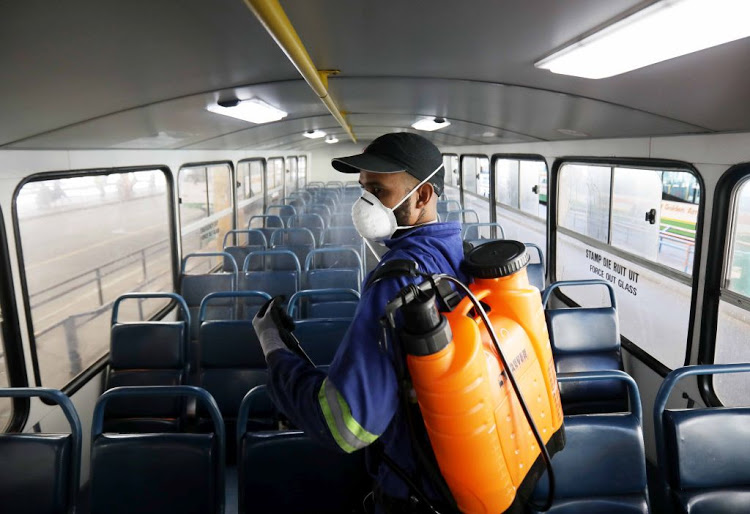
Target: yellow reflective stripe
(355, 428)
(347, 433)
(328, 415)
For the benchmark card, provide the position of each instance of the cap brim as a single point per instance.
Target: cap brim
(365, 162)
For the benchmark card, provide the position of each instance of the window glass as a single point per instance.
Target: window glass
(734, 321)
(450, 163)
(533, 187)
(250, 202)
(302, 165)
(274, 180)
(506, 182)
(646, 221)
(205, 211)
(476, 181)
(584, 200)
(87, 240)
(293, 175)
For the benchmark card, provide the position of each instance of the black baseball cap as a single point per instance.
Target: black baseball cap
(396, 152)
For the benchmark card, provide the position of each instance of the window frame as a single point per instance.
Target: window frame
(491, 198)
(12, 341)
(725, 201)
(520, 157)
(692, 280)
(233, 196)
(97, 366)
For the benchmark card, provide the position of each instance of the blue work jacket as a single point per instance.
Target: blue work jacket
(357, 402)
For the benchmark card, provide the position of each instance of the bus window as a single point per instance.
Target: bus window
(475, 182)
(85, 241)
(250, 190)
(451, 178)
(205, 210)
(641, 239)
(521, 198)
(274, 180)
(734, 316)
(302, 168)
(293, 174)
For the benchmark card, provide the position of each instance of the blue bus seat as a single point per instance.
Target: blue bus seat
(156, 473)
(266, 223)
(312, 222)
(323, 303)
(285, 471)
(282, 211)
(301, 241)
(147, 353)
(703, 453)
(321, 337)
(333, 267)
(193, 288)
(535, 269)
(255, 241)
(231, 359)
(445, 206)
(603, 465)
(473, 231)
(39, 472)
(281, 276)
(321, 210)
(463, 216)
(586, 339)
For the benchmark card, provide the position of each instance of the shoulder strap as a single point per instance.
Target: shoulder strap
(393, 269)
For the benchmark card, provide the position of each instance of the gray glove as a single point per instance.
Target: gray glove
(266, 329)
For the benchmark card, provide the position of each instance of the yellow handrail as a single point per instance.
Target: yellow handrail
(274, 19)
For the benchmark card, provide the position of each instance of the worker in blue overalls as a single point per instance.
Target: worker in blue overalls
(356, 404)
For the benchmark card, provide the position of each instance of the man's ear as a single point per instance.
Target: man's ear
(424, 195)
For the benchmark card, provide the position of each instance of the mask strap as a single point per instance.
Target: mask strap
(369, 246)
(417, 187)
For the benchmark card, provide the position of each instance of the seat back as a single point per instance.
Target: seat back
(344, 237)
(255, 241)
(280, 277)
(282, 211)
(157, 472)
(280, 471)
(446, 206)
(463, 216)
(603, 465)
(147, 353)
(323, 303)
(702, 453)
(478, 232)
(320, 338)
(231, 359)
(193, 288)
(40, 471)
(266, 223)
(535, 269)
(312, 222)
(301, 241)
(586, 339)
(334, 267)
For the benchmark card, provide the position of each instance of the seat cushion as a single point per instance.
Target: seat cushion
(611, 505)
(604, 392)
(720, 501)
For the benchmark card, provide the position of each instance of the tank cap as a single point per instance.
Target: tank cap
(496, 259)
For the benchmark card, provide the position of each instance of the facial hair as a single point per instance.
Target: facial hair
(403, 214)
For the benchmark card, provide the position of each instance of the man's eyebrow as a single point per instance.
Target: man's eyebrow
(370, 183)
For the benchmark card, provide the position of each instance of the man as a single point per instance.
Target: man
(357, 402)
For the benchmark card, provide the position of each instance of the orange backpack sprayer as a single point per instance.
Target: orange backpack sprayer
(488, 395)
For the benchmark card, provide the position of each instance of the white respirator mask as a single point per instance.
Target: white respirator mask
(375, 221)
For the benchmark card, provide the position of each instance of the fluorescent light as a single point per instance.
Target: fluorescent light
(253, 110)
(314, 134)
(332, 139)
(657, 33)
(430, 124)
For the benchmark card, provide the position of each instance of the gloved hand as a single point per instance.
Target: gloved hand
(267, 329)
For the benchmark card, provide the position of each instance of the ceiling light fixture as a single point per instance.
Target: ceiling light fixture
(430, 124)
(662, 31)
(253, 110)
(331, 140)
(314, 134)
